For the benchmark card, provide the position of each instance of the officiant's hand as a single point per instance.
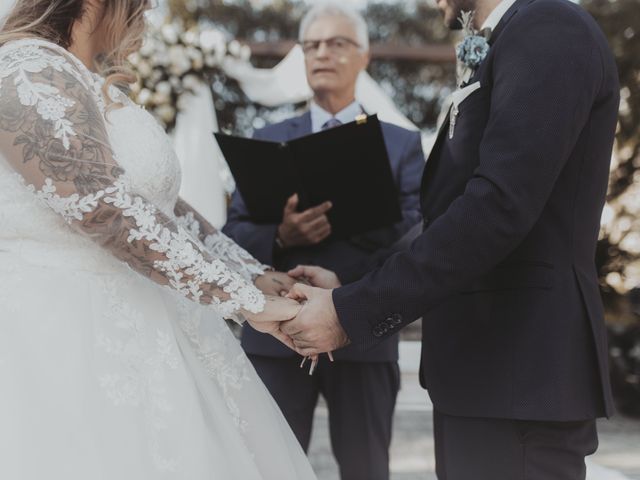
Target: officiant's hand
(303, 228)
(274, 283)
(276, 310)
(316, 329)
(316, 276)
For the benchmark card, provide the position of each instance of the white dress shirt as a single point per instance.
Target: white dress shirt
(496, 15)
(319, 116)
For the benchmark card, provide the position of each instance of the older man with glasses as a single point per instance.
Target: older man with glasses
(360, 388)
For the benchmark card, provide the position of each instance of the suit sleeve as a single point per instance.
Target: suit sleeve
(258, 239)
(410, 175)
(546, 74)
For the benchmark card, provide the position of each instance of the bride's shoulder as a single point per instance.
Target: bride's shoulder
(32, 56)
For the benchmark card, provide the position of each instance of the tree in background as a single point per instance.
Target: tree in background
(618, 256)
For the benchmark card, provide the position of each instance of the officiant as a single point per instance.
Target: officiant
(360, 389)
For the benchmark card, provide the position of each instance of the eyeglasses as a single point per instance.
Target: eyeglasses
(335, 45)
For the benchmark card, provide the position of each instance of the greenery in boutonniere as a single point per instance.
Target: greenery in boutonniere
(474, 47)
(471, 51)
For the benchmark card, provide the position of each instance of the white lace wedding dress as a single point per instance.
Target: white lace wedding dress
(104, 372)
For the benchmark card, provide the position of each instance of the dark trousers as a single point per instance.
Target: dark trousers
(489, 449)
(360, 397)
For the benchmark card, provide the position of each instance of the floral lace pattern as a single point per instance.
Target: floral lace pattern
(69, 208)
(187, 269)
(144, 363)
(229, 371)
(119, 208)
(220, 246)
(47, 99)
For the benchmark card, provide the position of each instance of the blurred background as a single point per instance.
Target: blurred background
(232, 65)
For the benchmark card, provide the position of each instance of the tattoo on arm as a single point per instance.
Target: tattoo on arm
(85, 166)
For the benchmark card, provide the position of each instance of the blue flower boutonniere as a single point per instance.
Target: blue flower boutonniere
(472, 50)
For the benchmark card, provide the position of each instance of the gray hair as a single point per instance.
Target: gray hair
(336, 9)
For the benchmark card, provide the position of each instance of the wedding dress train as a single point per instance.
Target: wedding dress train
(106, 374)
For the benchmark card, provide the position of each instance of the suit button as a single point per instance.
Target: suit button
(377, 332)
(396, 319)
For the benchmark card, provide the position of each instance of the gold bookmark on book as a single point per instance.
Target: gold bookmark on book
(361, 119)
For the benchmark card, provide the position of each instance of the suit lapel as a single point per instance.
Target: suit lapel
(299, 126)
(444, 126)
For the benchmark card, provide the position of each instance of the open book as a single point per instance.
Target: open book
(347, 165)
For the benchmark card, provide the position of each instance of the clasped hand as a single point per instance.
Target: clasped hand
(299, 310)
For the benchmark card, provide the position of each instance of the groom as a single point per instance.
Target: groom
(514, 346)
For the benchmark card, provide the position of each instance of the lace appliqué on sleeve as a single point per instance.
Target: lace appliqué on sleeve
(185, 265)
(53, 134)
(220, 246)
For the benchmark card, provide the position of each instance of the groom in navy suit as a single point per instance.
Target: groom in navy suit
(514, 350)
(360, 387)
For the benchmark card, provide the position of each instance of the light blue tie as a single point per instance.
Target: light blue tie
(331, 123)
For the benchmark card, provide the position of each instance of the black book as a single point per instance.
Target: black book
(347, 165)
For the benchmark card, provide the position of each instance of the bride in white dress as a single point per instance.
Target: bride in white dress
(115, 360)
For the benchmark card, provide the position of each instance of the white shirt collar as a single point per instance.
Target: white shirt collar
(319, 116)
(496, 15)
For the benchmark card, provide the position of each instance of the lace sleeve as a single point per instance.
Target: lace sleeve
(217, 243)
(52, 133)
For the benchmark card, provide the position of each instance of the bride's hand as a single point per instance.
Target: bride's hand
(275, 283)
(276, 310)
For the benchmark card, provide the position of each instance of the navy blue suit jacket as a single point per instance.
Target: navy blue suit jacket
(344, 257)
(504, 272)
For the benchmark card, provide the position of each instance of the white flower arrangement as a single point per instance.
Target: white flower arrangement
(173, 61)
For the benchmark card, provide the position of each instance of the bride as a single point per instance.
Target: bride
(115, 361)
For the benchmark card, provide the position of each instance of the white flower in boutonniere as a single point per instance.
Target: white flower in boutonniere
(472, 50)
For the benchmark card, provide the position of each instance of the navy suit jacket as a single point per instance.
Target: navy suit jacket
(346, 258)
(504, 272)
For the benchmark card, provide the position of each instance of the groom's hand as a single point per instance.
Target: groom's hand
(276, 310)
(316, 329)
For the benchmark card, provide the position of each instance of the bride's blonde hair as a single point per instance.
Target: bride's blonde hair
(123, 22)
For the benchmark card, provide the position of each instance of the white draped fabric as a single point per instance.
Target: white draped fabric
(204, 170)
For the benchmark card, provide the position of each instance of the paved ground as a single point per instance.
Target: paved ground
(618, 457)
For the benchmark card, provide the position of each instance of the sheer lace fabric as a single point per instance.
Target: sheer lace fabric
(54, 135)
(106, 374)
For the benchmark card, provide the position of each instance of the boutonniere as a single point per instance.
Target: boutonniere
(473, 49)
